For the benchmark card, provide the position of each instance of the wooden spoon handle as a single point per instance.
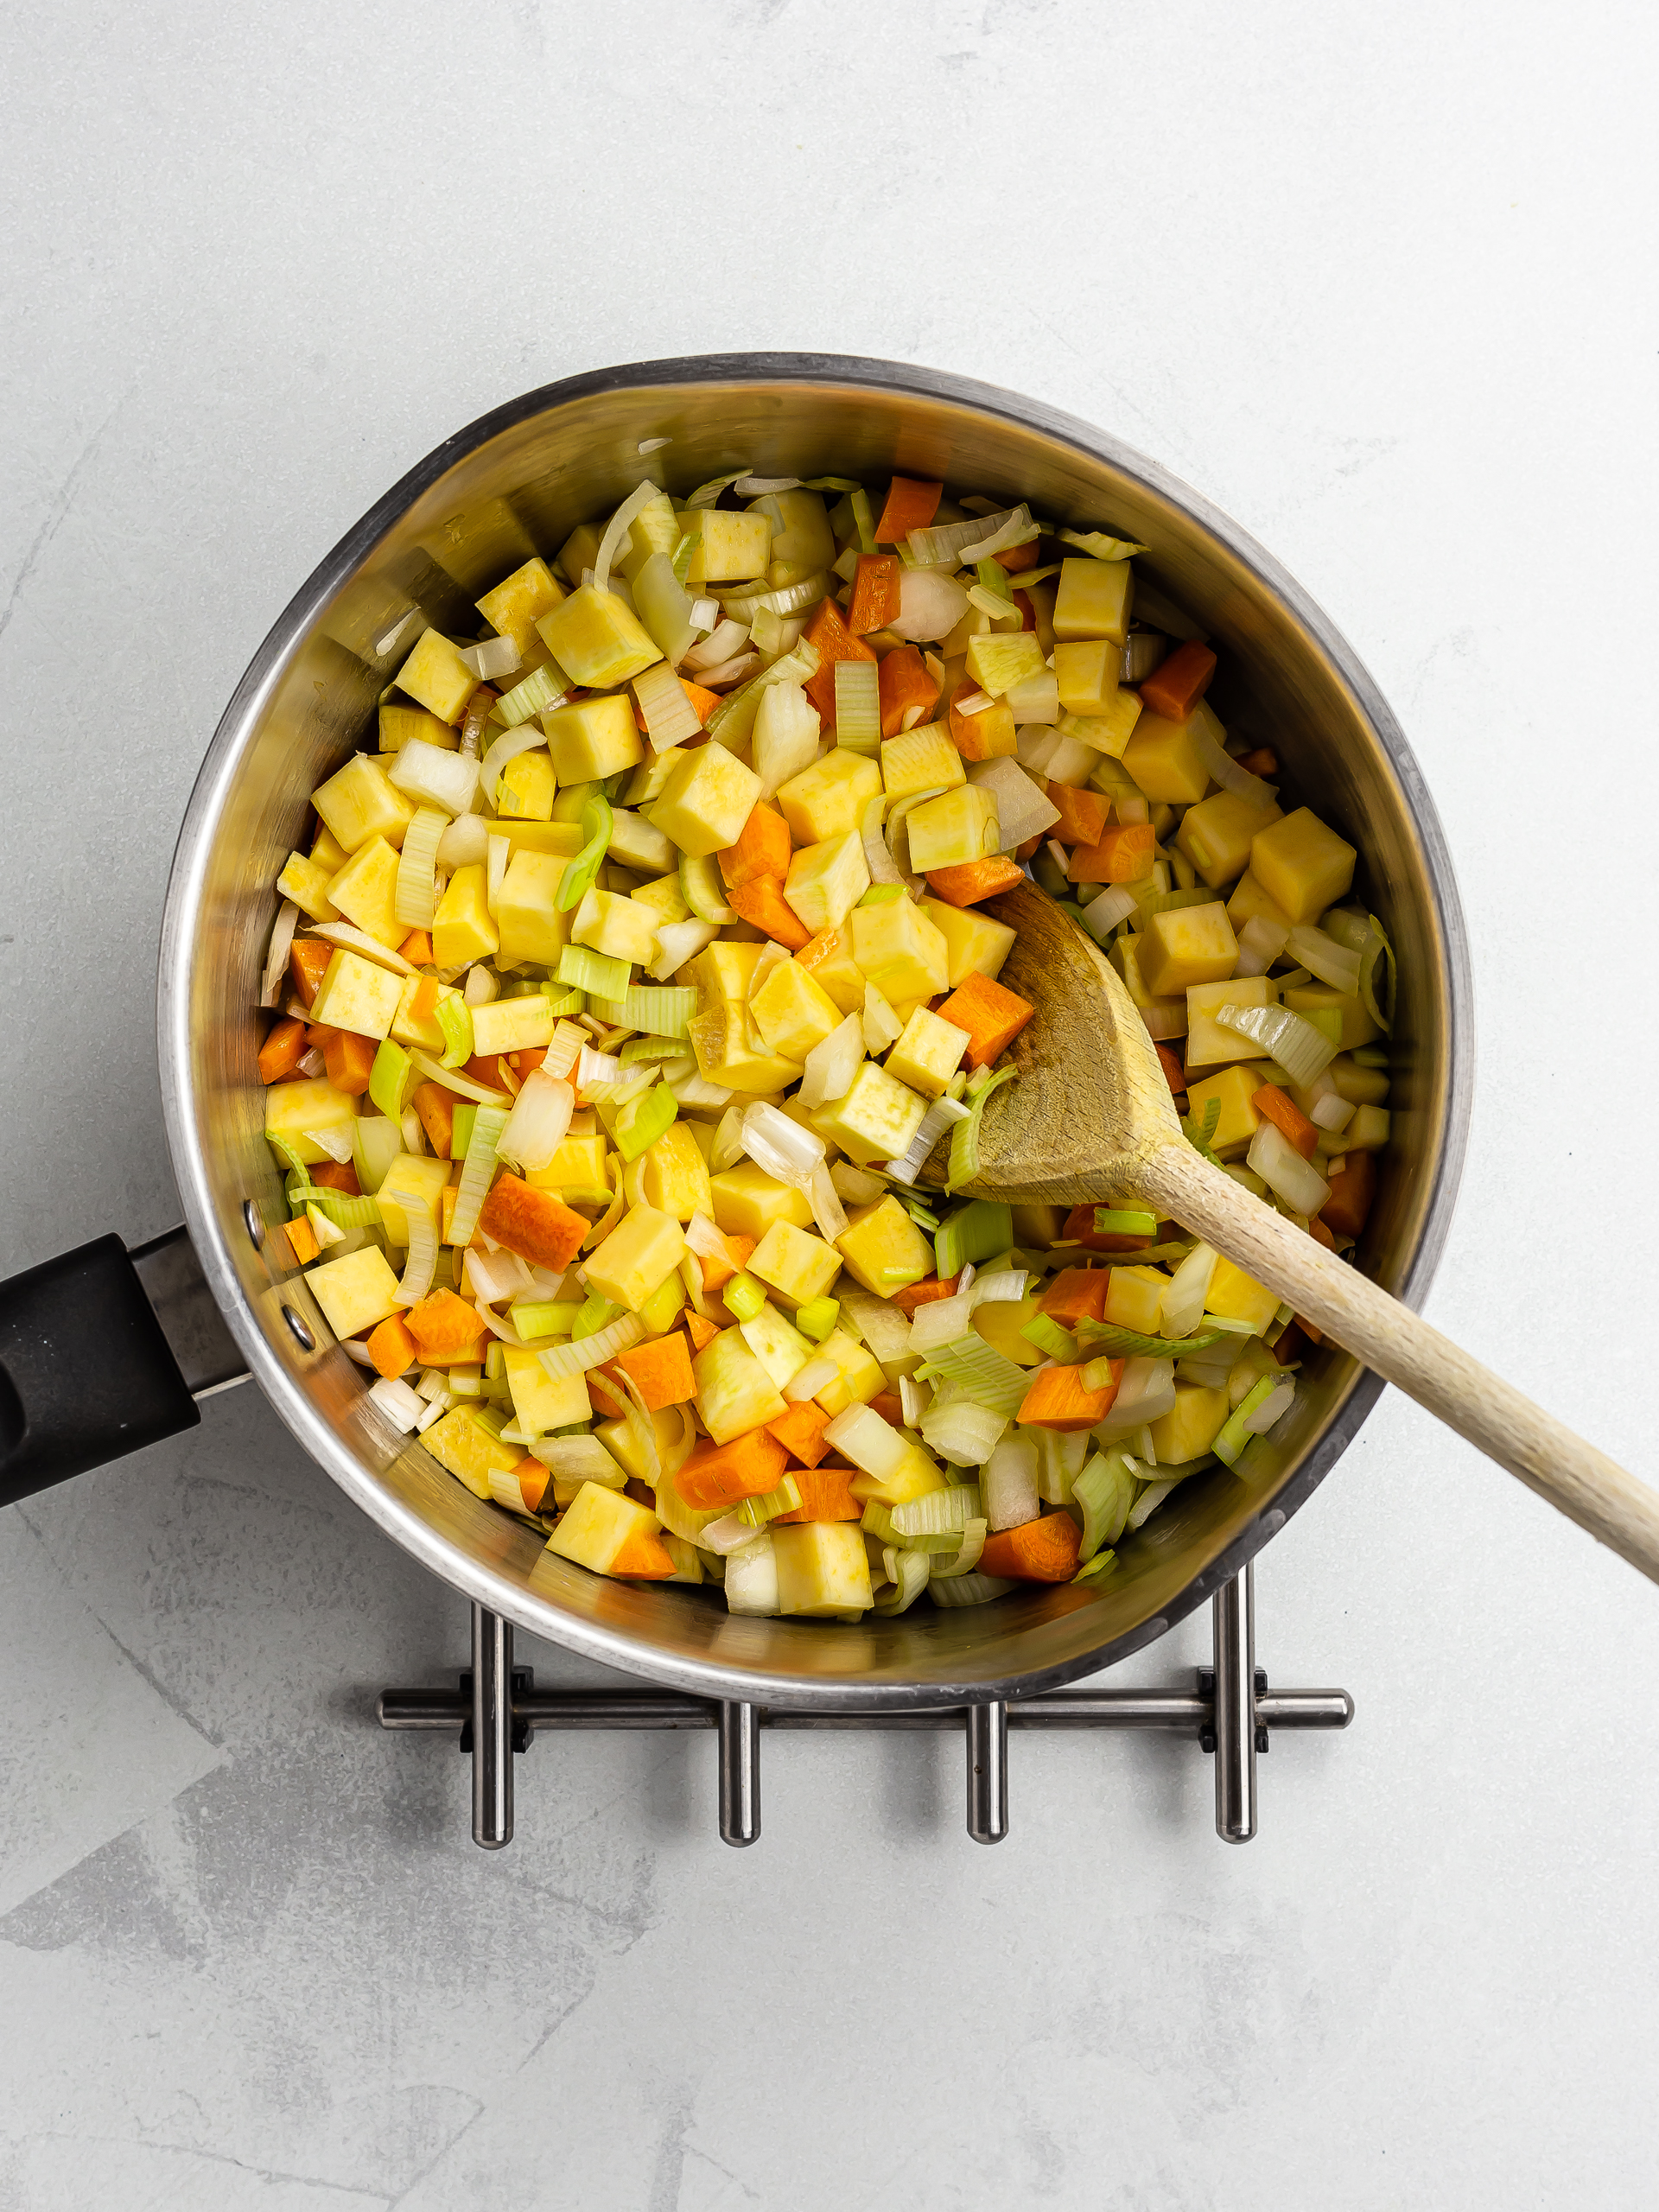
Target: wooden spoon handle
(1578, 1480)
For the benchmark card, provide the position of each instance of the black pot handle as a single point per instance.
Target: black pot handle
(102, 1352)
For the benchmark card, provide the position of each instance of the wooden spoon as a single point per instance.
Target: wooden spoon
(1092, 1117)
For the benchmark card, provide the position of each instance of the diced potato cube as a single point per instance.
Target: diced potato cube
(596, 640)
(543, 1402)
(777, 1344)
(708, 797)
(435, 674)
(727, 546)
(638, 1255)
(1093, 600)
(900, 950)
(617, 925)
(311, 1103)
(828, 799)
(366, 892)
(356, 1291)
(746, 1201)
(801, 1266)
(735, 1392)
(1163, 760)
(826, 881)
(1238, 1120)
(462, 931)
(1216, 834)
(1187, 945)
(358, 994)
(975, 943)
(792, 1012)
(526, 787)
(611, 1533)
(471, 1452)
(306, 883)
(999, 660)
(1302, 866)
(512, 1025)
(674, 1175)
(513, 609)
(592, 739)
(1087, 672)
(527, 908)
(858, 1373)
(1134, 1297)
(883, 1248)
(928, 1053)
(920, 760)
(1357, 1027)
(1239, 1297)
(823, 1567)
(1209, 1044)
(832, 965)
(877, 1118)
(958, 826)
(1189, 1429)
(398, 724)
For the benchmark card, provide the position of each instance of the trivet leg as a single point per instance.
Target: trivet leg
(988, 1772)
(739, 1773)
(492, 1730)
(1235, 1632)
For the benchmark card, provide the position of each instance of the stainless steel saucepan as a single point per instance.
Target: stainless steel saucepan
(513, 484)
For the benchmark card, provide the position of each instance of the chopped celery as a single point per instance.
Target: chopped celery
(981, 1231)
(786, 1498)
(1043, 1330)
(393, 1079)
(1099, 546)
(596, 973)
(1377, 952)
(543, 689)
(579, 877)
(477, 1173)
(1107, 1338)
(1124, 1221)
(858, 709)
(984, 1375)
(883, 895)
(456, 1020)
(817, 1318)
(563, 1000)
(968, 1589)
(1101, 1563)
(1369, 1056)
(543, 1317)
(965, 1138)
(594, 1314)
(1237, 1431)
(461, 1129)
(649, 1048)
(644, 1119)
(743, 1295)
(651, 1008)
(940, 1513)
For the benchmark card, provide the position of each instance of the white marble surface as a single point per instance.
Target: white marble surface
(1381, 283)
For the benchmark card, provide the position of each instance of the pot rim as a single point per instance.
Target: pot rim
(471, 1577)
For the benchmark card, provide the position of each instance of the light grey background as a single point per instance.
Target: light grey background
(1381, 281)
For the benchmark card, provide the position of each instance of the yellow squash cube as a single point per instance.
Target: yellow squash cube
(310, 1102)
(542, 1401)
(998, 660)
(800, 1266)
(596, 640)
(899, 950)
(398, 724)
(1239, 1297)
(462, 931)
(1209, 1043)
(792, 1012)
(526, 789)
(366, 892)
(360, 801)
(1093, 600)
(920, 760)
(858, 1377)
(527, 909)
(1301, 865)
(727, 546)
(1163, 760)
(593, 738)
(823, 1567)
(674, 1175)
(746, 1201)
(355, 1293)
(518, 601)
(975, 943)
(840, 975)
(828, 799)
(883, 1248)
(358, 994)
(435, 674)
(1238, 1120)
(514, 1025)
(1134, 1298)
(607, 1531)
(1187, 945)
(825, 882)
(1086, 673)
(735, 1392)
(471, 1450)
(1357, 1027)
(928, 1053)
(708, 796)
(1216, 836)
(877, 1118)
(956, 826)
(617, 925)
(306, 883)
(637, 1257)
(1189, 1428)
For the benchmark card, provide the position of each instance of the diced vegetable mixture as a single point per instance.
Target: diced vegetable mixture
(628, 987)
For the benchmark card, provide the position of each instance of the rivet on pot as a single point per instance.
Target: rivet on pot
(253, 1222)
(302, 1336)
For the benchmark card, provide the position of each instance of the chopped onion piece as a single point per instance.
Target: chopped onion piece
(727, 1147)
(1333, 1111)
(677, 943)
(1183, 1302)
(827, 1210)
(282, 937)
(400, 1405)
(511, 743)
(743, 603)
(1331, 963)
(453, 1079)
(422, 1261)
(355, 940)
(1006, 1287)
(931, 605)
(816, 1376)
(720, 645)
(620, 1335)
(882, 1026)
(975, 702)
(491, 1276)
(873, 1445)
(433, 776)
(1285, 1173)
(536, 1128)
(335, 1142)
(941, 1321)
(465, 843)
(748, 487)
(1008, 1483)
(726, 673)
(653, 445)
(1204, 730)
(1022, 808)
(779, 1147)
(855, 1185)
(830, 1067)
(964, 1433)
(937, 1119)
(956, 542)
(493, 658)
(581, 1459)
(1259, 944)
(1277, 1402)
(497, 853)
(1300, 1048)
(610, 545)
(1115, 904)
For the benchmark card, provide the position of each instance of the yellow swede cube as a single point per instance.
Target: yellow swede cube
(1163, 760)
(358, 994)
(612, 1533)
(596, 640)
(1237, 1120)
(1192, 1425)
(354, 1293)
(1208, 1042)
(1302, 865)
(462, 931)
(975, 943)
(728, 545)
(858, 1377)
(777, 1344)
(674, 1175)
(828, 799)
(900, 949)
(920, 760)
(543, 1401)
(729, 1053)
(435, 674)
(834, 967)
(735, 1392)
(1249, 900)
(996, 661)
(1108, 731)
(664, 894)
(527, 913)
(360, 801)
(792, 1012)
(638, 844)
(708, 796)
(928, 1053)
(956, 826)
(883, 1248)
(470, 1449)
(310, 1102)
(1216, 834)
(518, 601)
(1357, 1027)
(823, 1567)
(877, 1118)
(366, 892)
(909, 1478)
(1239, 1297)
(414, 1180)
(637, 1257)
(800, 1266)
(826, 881)
(1093, 600)
(306, 883)
(1187, 945)
(1134, 1298)
(578, 1165)
(398, 724)
(1086, 673)
(593, 738)
(1000, 1326)
(746, 1201)
(518, 1025)
(614, 923)
(525, 792)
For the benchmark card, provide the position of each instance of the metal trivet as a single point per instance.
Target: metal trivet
(1229, 1711)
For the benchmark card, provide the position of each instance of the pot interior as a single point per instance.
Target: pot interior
(514, 485)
